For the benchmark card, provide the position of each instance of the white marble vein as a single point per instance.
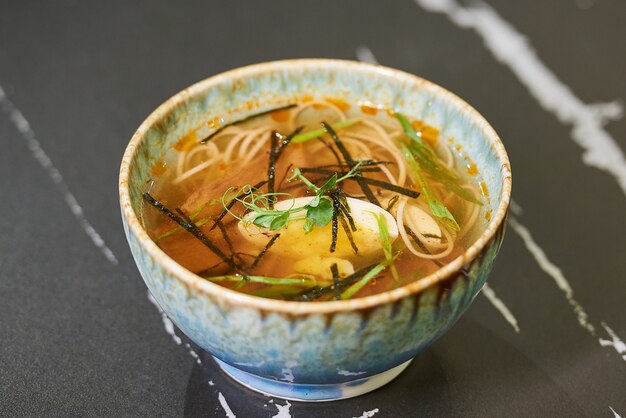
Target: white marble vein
(227, 410)
(34, 146)
(511, 48)
(497, 303)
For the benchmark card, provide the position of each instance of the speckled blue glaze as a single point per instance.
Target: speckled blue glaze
(326, 350)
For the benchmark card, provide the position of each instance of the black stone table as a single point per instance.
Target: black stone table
(78, 333)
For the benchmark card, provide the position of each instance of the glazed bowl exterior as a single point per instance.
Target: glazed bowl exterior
(314, 350)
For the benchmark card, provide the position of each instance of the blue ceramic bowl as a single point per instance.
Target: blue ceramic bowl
(314, 350)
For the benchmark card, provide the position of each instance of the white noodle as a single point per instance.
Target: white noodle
(368, 140)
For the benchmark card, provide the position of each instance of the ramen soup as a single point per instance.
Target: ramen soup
(314, 201)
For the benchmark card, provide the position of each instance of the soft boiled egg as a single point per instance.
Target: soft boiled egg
(295, 242)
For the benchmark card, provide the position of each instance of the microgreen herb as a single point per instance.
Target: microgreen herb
(242, 193)
(258, 204)
(320, 210)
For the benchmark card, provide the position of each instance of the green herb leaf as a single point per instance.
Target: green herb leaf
(329, 184)
(264, 220)
(321, 214)
(279, 221)
(308, 225)
(315, 201)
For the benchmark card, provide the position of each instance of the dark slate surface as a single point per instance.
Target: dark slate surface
(78, 335)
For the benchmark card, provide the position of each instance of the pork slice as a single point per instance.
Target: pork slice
(233, 176)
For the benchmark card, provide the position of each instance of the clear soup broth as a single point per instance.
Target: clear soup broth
(315, 200)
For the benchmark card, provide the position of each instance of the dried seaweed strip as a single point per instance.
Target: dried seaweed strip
(271, 169)
(334, 226)
(264, 250)
(391, 187)
(392, 202)
(332, 150)
(379, 183)
(421, 245)
(350, 161)
(345, 207)
(345, 211)
(319, 170)
(210, 270)
(364, 163)
(280, 184)
(229, 242)
(287, 140)
(318, 292)
(276, 150)
(247, 118)
(189, 226)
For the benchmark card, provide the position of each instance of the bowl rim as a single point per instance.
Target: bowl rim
(224, 295)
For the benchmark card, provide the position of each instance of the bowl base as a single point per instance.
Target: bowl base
(311, 392)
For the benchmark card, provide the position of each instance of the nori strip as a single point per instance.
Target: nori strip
(346, 155)
(332, 150)
(335, 272)
(346, 214)
(264, 250)
(287, 140)
(190, 227)
(339, 209)
(391, 187)
(247, 118)
(317, 292)
(379, 183)
(321, 170)
(392, 202)
(285, 176)
(334, 226)
(421, 244)
(209, 270)
(271, 168)
(345, 209)
(226, 238)
(276, 150)
(364, 163)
